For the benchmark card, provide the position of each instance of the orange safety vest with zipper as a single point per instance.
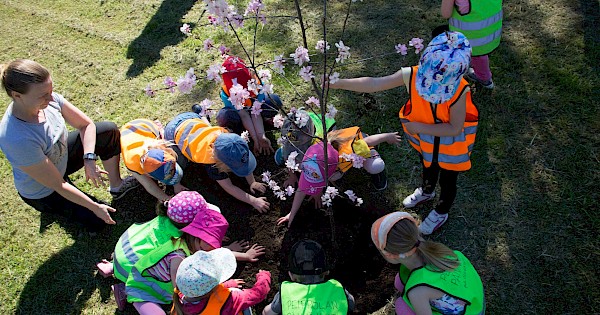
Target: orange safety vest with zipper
(135, 136)
(195, 139)
(354, 134)
(450, 152)
(217, 300)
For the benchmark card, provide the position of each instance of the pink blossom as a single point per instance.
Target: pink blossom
(322, 46)
(238, 95)
(331, 111)
(246, 136)
(301, 118)
(170, 84)
(256, 108)
(289, 190)
(306, 73)
(205, 105)
(263, 19)
(186, 83)
(266, 176)
(312, 100)
(208, 44)
(224, 50)
(333, 78)
(265, 75)
(214, 72)
(359, 201)
(291, 162)
(278, 64)
(252, 86)
(351, 195)
(300, 55)
(278, 121)
(266, 88)
(417, 43)
(236, 20)
(401, 49)
(149, 91)
(254, 6)
(343, 52)
(186, 29)
(280, 195)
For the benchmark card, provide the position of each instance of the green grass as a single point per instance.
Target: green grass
(526, 214)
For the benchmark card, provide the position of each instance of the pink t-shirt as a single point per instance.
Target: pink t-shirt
(463, 6)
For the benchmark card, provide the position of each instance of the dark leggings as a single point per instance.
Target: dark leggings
(447, 185)
(108, 145)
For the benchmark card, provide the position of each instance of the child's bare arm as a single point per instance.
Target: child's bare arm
(370, 84)
(389, 137)
(151, 187)
(447, 8)
(298, 198)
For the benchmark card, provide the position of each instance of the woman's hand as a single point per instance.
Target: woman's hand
(94, 173)
(102, 211)
(256, 186)
(260, 203)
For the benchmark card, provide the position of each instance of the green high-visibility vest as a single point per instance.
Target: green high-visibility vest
(462, 283)
(141, 247)
(316, 119)
(327, 298)
(482, 25)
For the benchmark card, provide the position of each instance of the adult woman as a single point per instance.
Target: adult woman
(34, 138)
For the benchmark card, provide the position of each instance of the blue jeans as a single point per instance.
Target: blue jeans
(170, 135)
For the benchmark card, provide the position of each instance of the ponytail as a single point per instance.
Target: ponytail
(404, 236)
(335, 138)
(177, 308)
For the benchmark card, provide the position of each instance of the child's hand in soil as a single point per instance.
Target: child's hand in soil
(260, 187)
(282, 220)
(254, 252)
(261, 204)
(238, 246)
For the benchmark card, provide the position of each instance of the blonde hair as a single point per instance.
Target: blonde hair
(177, 308)
(404, 236)
(164, 145)
(335, 138)
(221, 166)
(19, 74)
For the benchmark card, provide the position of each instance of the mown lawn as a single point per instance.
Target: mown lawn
(526, 214)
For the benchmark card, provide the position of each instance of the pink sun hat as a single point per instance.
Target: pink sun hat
(312, 180)
(208, 225)
(184, 206)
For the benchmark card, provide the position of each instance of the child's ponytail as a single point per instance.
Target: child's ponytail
(437, 256)
(177, 308)
(404, 236)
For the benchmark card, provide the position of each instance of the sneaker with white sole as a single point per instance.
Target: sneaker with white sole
(470, 75)
(127, 184)
(433, 222)
(417, 197)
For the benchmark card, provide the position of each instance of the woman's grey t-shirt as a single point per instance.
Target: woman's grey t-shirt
(25, 144)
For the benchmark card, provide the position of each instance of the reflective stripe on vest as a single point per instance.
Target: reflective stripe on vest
(451, 152)
(482, 25)
(323, 298)
(141, 247)
(462, 283)
(195, 140)
(135, 136)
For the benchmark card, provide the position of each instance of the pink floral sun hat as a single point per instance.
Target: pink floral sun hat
(184, 206)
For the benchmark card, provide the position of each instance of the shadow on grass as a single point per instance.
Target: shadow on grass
(161, 31)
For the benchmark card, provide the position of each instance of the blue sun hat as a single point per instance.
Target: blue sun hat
(232, 150)
(442, 64)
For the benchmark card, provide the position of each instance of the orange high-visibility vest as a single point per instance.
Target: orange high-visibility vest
(135, 136)
(451, 153)
(216, 301)
(346, 148)
(195, 139)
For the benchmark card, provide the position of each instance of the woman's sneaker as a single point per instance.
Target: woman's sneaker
(417, 197)
(127, 184)
(433, 222)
